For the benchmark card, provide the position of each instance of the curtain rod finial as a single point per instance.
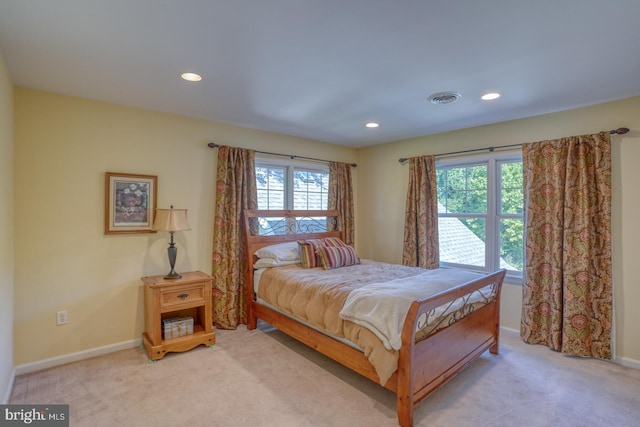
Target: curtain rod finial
(620, 131)
(212, 145)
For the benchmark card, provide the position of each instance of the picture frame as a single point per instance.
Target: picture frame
(130, 203)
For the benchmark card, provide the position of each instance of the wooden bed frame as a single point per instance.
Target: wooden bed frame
(423, 366)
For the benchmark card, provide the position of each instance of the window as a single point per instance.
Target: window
(297, 185)
(480, 212)
(291, 185)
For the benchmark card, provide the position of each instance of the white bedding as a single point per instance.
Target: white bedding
(382, 307)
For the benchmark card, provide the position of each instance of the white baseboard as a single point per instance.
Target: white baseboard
(509, 330)
(623, 361)
(629, 363)
(74, 357)
(7, 394)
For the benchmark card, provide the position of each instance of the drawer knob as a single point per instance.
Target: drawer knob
(183, 296)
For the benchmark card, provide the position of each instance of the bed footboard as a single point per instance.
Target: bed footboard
(425, 365)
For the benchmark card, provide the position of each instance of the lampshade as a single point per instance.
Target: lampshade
(171, 220)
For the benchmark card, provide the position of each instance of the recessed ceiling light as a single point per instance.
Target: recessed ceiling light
(490, 96)
(191, 77)
(372, 125)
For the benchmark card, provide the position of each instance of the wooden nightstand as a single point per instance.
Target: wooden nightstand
(169, 298)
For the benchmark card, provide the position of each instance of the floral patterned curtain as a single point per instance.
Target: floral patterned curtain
(341, 197)
(567, 292)
(421, 247)
(235, 191)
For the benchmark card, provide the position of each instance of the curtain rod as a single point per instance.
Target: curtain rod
(214, 145)
(619, 131)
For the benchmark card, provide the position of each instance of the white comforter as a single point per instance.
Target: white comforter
(382, 307)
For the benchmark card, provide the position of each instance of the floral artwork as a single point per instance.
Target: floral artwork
(130, 203)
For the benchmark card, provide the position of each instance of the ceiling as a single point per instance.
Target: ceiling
(321, 69)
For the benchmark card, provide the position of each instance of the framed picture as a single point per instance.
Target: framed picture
(130, 203)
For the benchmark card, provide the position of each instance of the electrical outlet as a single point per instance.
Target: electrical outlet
(61, 318)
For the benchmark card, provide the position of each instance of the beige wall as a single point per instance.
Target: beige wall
(384, 175)
(63, 260)
(6, 232)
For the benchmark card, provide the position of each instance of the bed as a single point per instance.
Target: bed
(426, 336)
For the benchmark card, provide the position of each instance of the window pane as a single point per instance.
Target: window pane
(477, 178)
(511, 244)
(276, 179)
(261, 177)
(301, 201)
(270, 182)
(456, 179)
(511, 188)
(462, 241)
(476, 201)
(310, 189)
(511, 201)
(463, 189)
(276, 200)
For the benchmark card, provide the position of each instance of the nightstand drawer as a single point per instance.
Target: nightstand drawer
(187, 295)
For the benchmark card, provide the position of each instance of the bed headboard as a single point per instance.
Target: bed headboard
(268, 227)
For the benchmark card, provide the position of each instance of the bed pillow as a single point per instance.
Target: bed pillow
(336, 257)
(328, 241)
(287, 251)
(307, 254)
(308, 250)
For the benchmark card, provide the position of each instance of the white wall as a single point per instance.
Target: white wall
(381, 219)
(6, 233)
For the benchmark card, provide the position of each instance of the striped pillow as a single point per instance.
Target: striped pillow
(336, 257)
(307, 254)
(328, 241)
(309, 248)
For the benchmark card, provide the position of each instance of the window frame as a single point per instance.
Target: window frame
(493, 214)
(290, 166)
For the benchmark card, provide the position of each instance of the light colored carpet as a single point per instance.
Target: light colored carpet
(263, 378)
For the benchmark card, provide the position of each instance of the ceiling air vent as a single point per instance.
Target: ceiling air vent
(444, 97)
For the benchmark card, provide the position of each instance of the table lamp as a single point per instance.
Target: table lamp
(171, 220)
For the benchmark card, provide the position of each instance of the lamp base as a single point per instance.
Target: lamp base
(172, 275)
(173, 251)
